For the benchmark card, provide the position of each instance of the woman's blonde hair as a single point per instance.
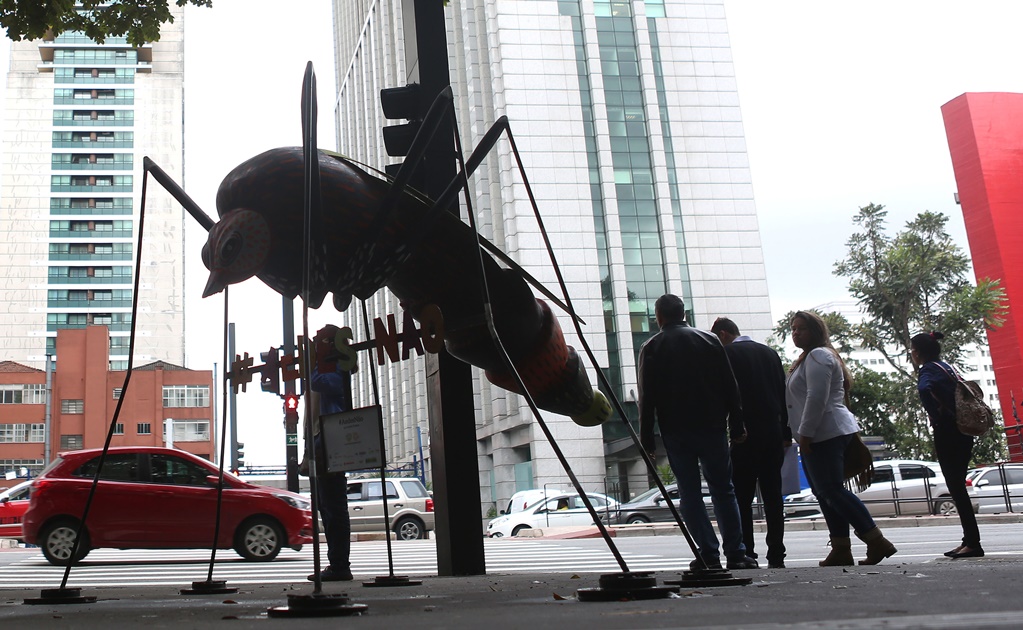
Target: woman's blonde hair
(820, 338)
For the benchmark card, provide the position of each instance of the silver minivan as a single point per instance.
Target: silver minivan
(409, 506)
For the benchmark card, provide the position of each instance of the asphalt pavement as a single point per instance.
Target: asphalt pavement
(939, 593)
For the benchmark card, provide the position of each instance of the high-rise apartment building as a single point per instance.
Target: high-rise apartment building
(80, 116)
(627, 116)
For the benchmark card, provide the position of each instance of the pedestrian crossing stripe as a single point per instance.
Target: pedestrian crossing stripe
(173, 567)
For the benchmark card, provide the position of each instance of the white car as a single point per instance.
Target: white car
(988, 492)
(899, 487)
(563, 510)
(524, 498)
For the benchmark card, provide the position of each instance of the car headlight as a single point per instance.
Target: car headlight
(295, 502)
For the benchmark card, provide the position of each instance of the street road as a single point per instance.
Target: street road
(667, 555)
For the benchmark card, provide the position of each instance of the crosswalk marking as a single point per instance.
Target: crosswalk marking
(111, 567)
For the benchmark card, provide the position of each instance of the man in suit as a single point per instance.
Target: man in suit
(761, 378)
(686, 385)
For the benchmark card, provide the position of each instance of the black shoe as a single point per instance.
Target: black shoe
(743, 563)
(967, 552)
(952, 552)
(330, 575)
(712, 565)
(775, 564)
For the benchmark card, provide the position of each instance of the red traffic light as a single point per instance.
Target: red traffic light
(291, 402)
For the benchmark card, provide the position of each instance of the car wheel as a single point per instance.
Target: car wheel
(259, 539)
(408, 528)
(945, 506)
(518, 529)
(58, 539)
(497, 535)
(637, 518)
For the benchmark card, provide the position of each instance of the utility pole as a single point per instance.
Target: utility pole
(290, 419)
(456, 478)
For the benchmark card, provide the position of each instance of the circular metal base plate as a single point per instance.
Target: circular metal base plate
(392, 580)
(709, 577)
(60, 596)
(615, 595)
(623, 586)
(321, 605)
(209, 587)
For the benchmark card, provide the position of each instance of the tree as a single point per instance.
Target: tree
(912, 282)
(139, 20)
(915, 282)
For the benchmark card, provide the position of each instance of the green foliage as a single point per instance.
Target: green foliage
(492, 512)
(139, 20)
(915, 282)
(910, 283)
(666, 474)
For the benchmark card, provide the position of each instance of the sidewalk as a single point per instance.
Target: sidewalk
(942, 594)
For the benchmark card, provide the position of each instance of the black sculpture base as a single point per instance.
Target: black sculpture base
(392, 580)
(61, 596)
(628, 585)
(318, 605)
(209, 587)
(709, 577)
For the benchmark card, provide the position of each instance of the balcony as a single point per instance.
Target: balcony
(100, 304)
(99, 280)
(104, 234)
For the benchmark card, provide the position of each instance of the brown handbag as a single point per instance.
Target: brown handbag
(859, 463)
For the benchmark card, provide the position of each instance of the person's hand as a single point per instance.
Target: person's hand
(804, 444)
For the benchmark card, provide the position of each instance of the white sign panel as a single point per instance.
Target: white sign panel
(352, 439)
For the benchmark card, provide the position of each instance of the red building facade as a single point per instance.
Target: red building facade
(84, 396)
(985, 139)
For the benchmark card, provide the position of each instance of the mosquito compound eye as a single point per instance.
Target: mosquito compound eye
(231, 247)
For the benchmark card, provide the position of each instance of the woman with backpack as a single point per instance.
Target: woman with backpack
(937, 387)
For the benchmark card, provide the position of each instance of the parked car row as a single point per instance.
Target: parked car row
(993, 491)
(899, 487)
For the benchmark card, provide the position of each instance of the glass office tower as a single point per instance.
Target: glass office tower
(627, 116)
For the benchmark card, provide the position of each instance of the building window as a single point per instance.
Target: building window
(72, 406)
(35, 466)
(186, 396)
(22, 432)
(71, 442)
(119, 428)
(117, 393)
(22, 394)
(191, 431)
(143, 428)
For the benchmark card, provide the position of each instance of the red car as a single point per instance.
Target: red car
(13, 503)
(158, 498)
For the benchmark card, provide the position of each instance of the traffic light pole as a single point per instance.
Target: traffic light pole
(290, 420)
(456, 478)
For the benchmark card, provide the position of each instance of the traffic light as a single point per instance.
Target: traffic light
(291, 404)
(270, 373)
(239, 455)
(401, 103)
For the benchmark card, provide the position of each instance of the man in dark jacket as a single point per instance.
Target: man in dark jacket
(687, 386)
(761, 378)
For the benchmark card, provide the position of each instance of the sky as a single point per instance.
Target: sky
(840, 104)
